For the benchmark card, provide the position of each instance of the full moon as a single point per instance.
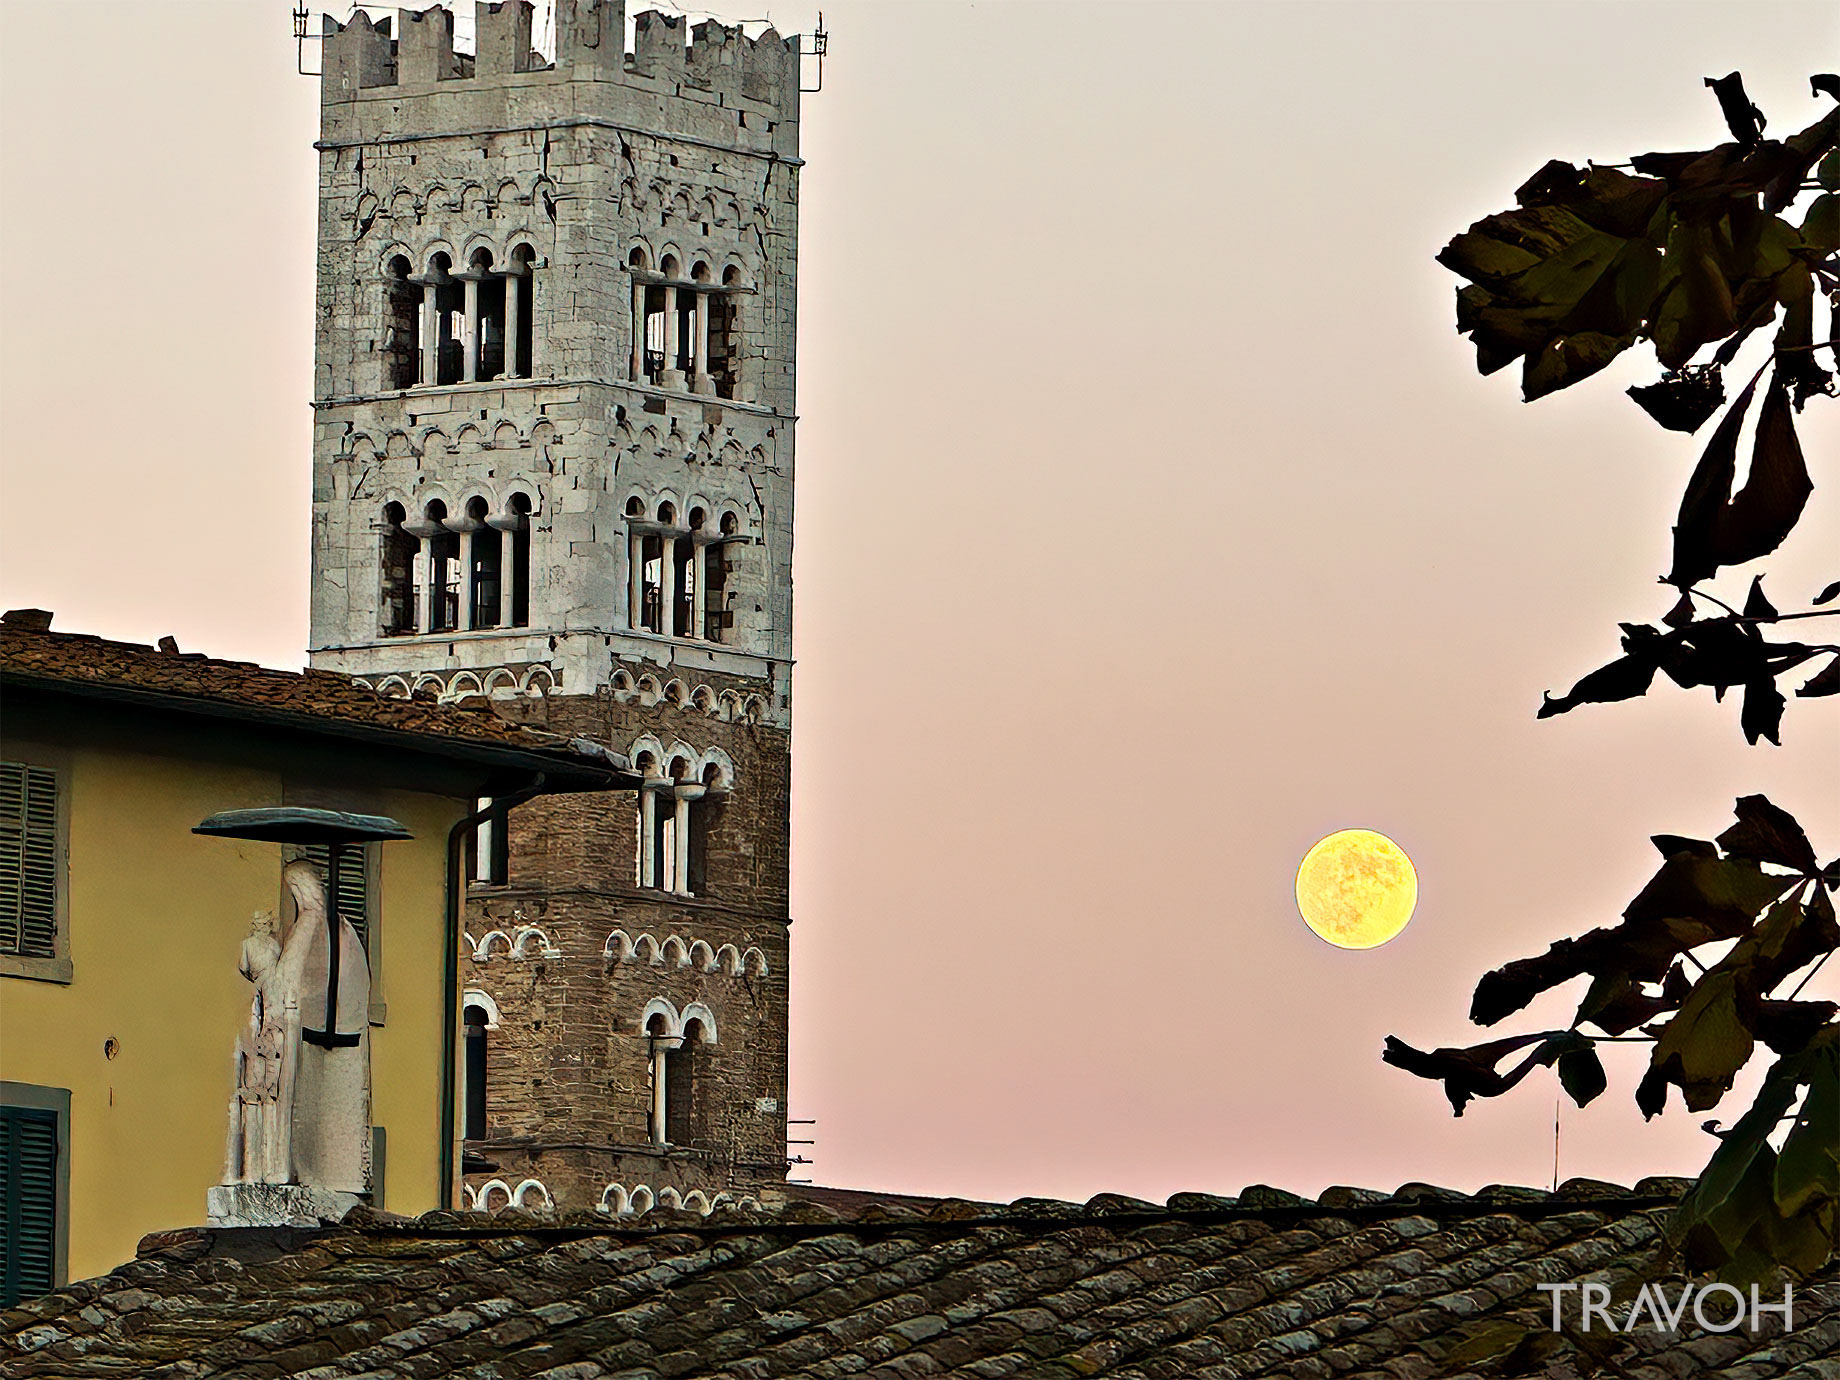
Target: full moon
(1356, 888)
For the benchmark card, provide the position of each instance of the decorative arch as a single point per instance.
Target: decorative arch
(618, 948)
(522, 1196)
(701, 1015)
(702, 957)
(674, 953)
(472, 996)
(660, 1009)
(525, 936)
(728, 959)
(754, 962)
(615, 1201)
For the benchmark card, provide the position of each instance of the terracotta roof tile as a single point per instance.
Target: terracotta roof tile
(310, 698)
(1356, 1284)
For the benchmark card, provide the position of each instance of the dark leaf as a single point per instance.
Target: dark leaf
(1825, 84)
(1787, 1026)
(1724, 893)
(1581, 1074)
(1826, 681)
(1829, 594)
(1469, 1073)
(1735, 1192)
(1821, 226)
(1615, 1004)
(1720, 652)
(1692, 900)
(1801, 152)
(1756, 606)
(1828, 174)
(1743, 119)
(1682, 612)
(1696, 529)
(1682, 399)
(1670, 844)
(1768, 833)
(1701, 1049)
(1717, 528)
(1808, 1167)
(1762, 714)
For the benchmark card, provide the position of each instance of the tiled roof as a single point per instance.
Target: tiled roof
(30, 653)
(1405, 1287)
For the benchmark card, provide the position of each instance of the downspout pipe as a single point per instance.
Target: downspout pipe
(450, 968)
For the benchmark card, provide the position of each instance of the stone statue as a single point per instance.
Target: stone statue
(300, 1114)
(330, 1139)
(258, 1150)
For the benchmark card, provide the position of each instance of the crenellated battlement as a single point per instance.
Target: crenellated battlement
(710, 63)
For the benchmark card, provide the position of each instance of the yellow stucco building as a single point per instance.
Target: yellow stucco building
(120, 929)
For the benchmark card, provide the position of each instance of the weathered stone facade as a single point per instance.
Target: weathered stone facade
(553, 466)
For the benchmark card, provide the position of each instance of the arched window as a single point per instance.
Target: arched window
(397, 595)
(477, 1018)
(486, 559)
(483, 331)
(402, 306)
(441, 559)
(520, 312)
(442, 323)
(725, 334)
(517, 581)
(683, 1110)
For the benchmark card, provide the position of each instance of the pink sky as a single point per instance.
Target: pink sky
(1152, 523)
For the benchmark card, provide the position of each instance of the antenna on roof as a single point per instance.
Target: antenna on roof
(301, 39)
(820, 43)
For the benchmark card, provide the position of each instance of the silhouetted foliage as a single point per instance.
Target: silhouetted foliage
(1693, 253)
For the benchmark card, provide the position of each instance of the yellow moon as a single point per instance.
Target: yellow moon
(1356, 889)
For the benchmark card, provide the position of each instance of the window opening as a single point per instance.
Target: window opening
(487, 558)
(476, 1072)
(29, 1205)
(28, 860)
(680, 1095)
(402, 307)
(520, 555)
(489, 849)
(396, 601)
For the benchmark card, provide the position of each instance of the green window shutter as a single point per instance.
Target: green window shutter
(28, 860)
(28, 1200)
(353, 902)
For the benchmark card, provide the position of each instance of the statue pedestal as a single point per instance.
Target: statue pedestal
(276, 1205)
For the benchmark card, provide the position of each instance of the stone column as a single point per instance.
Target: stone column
(424, 587)
(507, 576)
(465, 619)
(431, 334)
(635, 590)
(469, 330)
(514, 325)
(699, 366)
(662, 1045)
(699, 613)
(672, 376)
(648, 833)
(638, 331)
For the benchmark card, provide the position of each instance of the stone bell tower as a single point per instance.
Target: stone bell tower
(552, 471)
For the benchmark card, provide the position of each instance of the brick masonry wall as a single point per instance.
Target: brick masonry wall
(569, 1087)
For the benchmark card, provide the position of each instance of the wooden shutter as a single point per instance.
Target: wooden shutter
(28, 860)
(28, 1200)
(353, 901)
